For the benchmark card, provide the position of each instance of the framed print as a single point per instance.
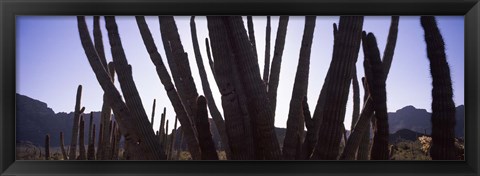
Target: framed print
(239, 87)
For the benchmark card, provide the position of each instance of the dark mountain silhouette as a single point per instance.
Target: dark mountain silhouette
(419, 120)
(34, 119)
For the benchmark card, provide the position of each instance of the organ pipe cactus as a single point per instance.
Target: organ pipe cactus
(345, 52)
(209, 55)
(76, 121)
(153, 112)
(172, 140)
(443, 107)
(62, 146)
(376, 81)
(91, 145)
(237, 120)
(139, 137)
(363, 151)
(184, 83)
(81, 143)
(169, 88)
(216, 116)
(262, 117)
(295, 123)
(47, 147)
(363, 122)
(205, 139)
(277, 62)
(161, 132)
(266, 68)
(251, 35)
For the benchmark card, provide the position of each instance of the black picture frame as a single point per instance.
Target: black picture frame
(11, 8)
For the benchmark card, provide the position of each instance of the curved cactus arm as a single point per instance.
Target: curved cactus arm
(266, 68)
(295, 121)
(217, 117)
(356, 98)
(443, 107)
(209, 55)
(391, 43)
(134, 134)
(169, 88)
(277, 62)
(97, 38)
(345, 53)
(237, 120)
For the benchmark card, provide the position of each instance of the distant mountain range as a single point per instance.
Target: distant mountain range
(34, 119)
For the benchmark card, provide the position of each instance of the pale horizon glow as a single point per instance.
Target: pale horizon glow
(51, 62)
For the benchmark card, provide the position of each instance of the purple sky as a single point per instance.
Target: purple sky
(51, 62)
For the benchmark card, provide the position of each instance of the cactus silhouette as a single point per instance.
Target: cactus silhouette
(47, 147)
(217, 117)
(81, 139)
(76, 122)
(237, 120)
(443, 107)
(174, 97)
(345, 52)
(295, 122)
(251, 35)
(134, 134)
(277, 62)
(266, 68)
(207, 145)
(62, 146)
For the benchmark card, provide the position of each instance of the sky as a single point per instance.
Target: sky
(51, 62)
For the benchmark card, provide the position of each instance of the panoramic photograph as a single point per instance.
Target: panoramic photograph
(240, 88)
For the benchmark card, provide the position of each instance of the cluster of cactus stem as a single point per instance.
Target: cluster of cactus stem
(248, 98)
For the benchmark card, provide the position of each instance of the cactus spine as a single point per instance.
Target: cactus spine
(169, 88)
(217, 117)
(345, 52)
(277, 62)
(443, 107)
(295, 123)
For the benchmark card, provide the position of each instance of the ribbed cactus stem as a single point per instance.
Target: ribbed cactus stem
(262, 116)
(47, 147)
(130, 92)
(76, 121)
(310, 137)
(266, 67)
(209, 55)
(153, 112)
(134, 134)
(205, 139)
(443, 107)
(165, 138)
(91, 146)
(295, 122)
(169, 88)
(172, 140)
(237, 120)
(251, 35)
(161, 132)
(185, 83)
(97, 38)
(376, 82)
(100, 139)
(62, 146)
(363, 151)
(345, 52)
(356, 98)
(217, 117)
(277, 62)
(105, 117)
(116, 146)
(81, 143)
